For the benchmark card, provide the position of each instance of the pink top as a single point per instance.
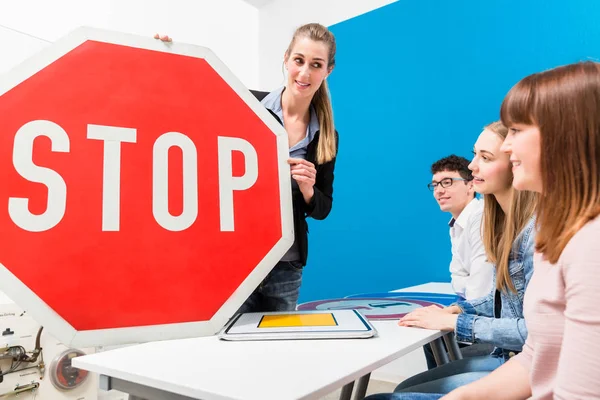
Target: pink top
(562, 311)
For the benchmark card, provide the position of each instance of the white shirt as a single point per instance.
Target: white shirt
(471, 274)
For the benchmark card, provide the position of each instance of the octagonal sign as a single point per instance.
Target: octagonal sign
(145, 192)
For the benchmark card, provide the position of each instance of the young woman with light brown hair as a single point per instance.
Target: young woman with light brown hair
(554, 147)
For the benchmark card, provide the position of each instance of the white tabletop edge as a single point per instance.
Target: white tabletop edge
(430, 287)
(89, 363)
(368, 369)
(142, 380)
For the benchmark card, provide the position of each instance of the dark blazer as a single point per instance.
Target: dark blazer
(320, 205)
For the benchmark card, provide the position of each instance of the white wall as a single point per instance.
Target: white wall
(279, 18)
(228, 27)
(250, 41)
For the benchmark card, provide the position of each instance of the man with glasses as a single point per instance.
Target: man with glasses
(452, 188)
(471, 274)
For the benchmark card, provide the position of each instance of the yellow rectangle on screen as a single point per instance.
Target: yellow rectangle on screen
(297, 320)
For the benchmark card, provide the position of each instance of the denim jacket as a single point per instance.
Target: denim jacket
(478, 323)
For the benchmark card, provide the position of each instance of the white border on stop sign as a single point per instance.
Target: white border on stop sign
(45, 315)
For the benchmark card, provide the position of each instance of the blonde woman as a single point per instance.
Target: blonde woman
(303, 107)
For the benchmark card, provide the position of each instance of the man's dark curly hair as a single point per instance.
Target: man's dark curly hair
(453, 163)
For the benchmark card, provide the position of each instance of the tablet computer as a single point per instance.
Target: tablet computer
(291, 325)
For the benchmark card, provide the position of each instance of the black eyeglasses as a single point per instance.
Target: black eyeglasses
(445, 183)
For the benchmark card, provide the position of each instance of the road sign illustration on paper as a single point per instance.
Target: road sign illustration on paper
(145, 192)
(373, 308)
(437, 298)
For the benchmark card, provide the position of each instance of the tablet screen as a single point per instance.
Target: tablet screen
(297, 320)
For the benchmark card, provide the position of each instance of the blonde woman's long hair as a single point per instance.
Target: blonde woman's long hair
(500, 230)
(327, 147)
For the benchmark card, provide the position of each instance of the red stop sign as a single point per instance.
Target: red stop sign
(145, 192)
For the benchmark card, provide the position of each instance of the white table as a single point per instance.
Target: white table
(210, 369)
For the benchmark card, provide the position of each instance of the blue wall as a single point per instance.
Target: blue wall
(415, 81)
